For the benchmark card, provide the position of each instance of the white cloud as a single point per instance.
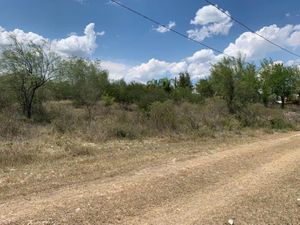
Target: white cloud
(72, 34)
(254, 47)
(20, 35)
(287, 14)
(77, 45)
(293, 63)
(102, 33)
(211, 21)
(73, 45)
(162, 29)
(153, 69)
(117, 71)
(197, 65)
(147, 71)
(202, 55)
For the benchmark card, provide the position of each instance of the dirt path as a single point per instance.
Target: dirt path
(256, 183)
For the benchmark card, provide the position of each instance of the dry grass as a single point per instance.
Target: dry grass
(160, 181)
(51, 161)
(69, 149)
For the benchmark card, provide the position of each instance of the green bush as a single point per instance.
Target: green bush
(107, 100)
(124, 131)
(258, 116)
(280, 124)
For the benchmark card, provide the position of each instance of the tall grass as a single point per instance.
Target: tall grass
(113, 121)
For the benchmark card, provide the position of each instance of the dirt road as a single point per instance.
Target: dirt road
(256, 183)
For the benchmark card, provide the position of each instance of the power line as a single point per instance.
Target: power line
(170, 29)
(250, 29)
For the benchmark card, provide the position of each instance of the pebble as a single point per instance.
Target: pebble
(231, 222)
(77, 210)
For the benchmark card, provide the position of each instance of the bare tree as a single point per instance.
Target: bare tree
(30, 66)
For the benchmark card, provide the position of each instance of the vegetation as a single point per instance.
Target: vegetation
(72, 125)
(75, 96)
(28, 67)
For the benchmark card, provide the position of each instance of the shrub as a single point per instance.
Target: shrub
(107, 100)
(214, 115)
(280, 124)
(253, 115)
(40, 114)
(188, 116)
(162, 115)
(11, 155)
(64, 117)
(11, 125)
(124, 131)
(258, 116)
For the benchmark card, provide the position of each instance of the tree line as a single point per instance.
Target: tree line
(31, 74)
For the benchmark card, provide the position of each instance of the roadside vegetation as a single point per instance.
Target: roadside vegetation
(63, 121)
(46, 100)
(76, 96)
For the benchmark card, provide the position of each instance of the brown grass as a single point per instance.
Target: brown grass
(157, 181)
(50, 161)
(69, 149)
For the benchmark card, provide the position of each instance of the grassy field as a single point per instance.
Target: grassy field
(109, 168)
(47, 161)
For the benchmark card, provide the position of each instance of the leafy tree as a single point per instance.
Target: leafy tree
(117, 90)
(88, 82)
(30, 67)
(184, 81)
(265, 75)
(282, 82)
(164, 83)
(145, 95)
(223, 81)
(204, 88)
(59, 89)
(247, 85)
(236, 81)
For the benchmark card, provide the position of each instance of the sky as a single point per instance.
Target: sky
(134, 49)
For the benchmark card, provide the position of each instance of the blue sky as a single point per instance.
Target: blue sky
(126, 43)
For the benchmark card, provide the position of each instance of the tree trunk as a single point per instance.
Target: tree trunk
(90, 116)
(29, 110)
(29, 113)
(265, 101)
(28, 104)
